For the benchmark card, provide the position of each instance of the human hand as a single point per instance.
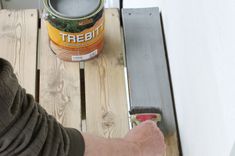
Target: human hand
(149, 139)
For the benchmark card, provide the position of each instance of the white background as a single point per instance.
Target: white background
(200, 39)
(141, 3)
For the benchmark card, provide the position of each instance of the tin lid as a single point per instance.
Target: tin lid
(74, 8)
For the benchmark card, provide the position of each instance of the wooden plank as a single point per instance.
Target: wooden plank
(59, 85)
(18, 44)
(200, 39)
(147, 69)
(106, 102)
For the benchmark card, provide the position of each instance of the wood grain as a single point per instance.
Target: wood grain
(172, 148)
(106, 102)
(59, 85)
(148, 78)
(18, 44)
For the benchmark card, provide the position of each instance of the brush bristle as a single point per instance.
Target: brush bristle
(140, 110)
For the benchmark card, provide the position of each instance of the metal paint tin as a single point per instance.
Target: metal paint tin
(75, 28)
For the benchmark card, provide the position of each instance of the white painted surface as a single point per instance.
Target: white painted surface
(141, 3)
(201, 45)
(112, 4)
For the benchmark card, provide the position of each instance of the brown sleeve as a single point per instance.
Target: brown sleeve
(25, 127)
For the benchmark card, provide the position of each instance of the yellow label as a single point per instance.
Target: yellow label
(83, 39)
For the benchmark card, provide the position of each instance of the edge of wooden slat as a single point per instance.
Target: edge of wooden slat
(59, 85)
(19, 44)
(1, 7)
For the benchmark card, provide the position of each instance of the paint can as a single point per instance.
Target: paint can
(75, 28)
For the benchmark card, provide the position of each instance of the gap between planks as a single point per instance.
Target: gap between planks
(59, 84)
(108, 116)
(82, 79)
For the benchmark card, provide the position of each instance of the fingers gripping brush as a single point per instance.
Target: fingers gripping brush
(141, 114)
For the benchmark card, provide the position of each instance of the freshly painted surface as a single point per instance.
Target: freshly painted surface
(147, 69)
(146, 63)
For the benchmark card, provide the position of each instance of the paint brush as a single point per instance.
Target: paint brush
(141, 114)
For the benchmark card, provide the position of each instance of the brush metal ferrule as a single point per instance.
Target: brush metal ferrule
(137, 119)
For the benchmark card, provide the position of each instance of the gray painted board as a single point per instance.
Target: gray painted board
(147, 70)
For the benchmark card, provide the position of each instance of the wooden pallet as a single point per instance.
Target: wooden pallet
(90, 97)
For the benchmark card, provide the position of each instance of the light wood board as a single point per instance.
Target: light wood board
(106, 102)
(18, 44)
(148, 78)
(59, 85)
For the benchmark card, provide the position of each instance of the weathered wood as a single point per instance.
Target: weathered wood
(106, 102)
(59, 85)
(147, 69)
(18, 44)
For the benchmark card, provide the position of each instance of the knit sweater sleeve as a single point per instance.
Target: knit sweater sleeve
(25, 127)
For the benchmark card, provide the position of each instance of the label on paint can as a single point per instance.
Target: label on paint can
(75, 38)
(73, 41)
(85, 57)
